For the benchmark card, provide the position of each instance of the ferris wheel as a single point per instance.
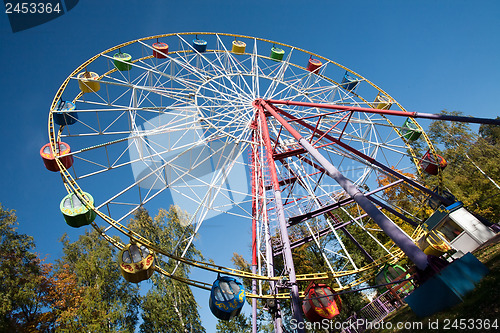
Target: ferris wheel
(212, 122)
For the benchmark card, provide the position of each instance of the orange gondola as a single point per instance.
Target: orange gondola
(160, 50)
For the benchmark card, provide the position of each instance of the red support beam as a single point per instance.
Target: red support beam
(285, 239)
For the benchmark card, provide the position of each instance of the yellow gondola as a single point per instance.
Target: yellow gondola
(383, 102)
(238, 46)
(433, 243)
(136, 262)
(87, 81)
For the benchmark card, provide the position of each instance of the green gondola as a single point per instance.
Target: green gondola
(75, 212)
(122, 61)
(410, 131)
(277, 53)
(390, 273)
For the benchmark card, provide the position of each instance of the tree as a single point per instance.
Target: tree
(25, 280)
(239, 324)
(169, 305)
(490, 133)
(405, 199)
(107, 303)
(473, 171)
(64, 297)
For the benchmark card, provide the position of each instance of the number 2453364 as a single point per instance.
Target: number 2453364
(32, 8)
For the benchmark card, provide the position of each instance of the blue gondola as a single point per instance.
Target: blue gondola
(200, 45)
(226, 298)
(349, 82)
(65, 114)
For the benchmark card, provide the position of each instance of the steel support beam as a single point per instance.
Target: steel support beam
(416, 255)
(285, 239)
(433, 116)
(369, 159)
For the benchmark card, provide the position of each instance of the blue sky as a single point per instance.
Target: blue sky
(429, 55)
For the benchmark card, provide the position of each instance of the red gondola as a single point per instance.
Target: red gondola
(429, 164)
(160, 50)
(313, 65)
(320, 302)
(49, 159)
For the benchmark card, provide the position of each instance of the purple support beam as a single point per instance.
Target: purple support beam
(392, 112)
(416, 255)
(258, 187)
(393, 211)
(326, 231)
(367, 158)
(334, 218)
(279, 249)
(299, 218)
(356, 243)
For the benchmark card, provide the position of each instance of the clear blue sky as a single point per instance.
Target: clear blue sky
(429, 55)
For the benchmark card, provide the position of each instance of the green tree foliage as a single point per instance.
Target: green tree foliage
(473, 164)
(25, 282)
(169, 306)
(239, 324)
(107, 302)
(404, 199)
(490, 133)
(407, 201)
